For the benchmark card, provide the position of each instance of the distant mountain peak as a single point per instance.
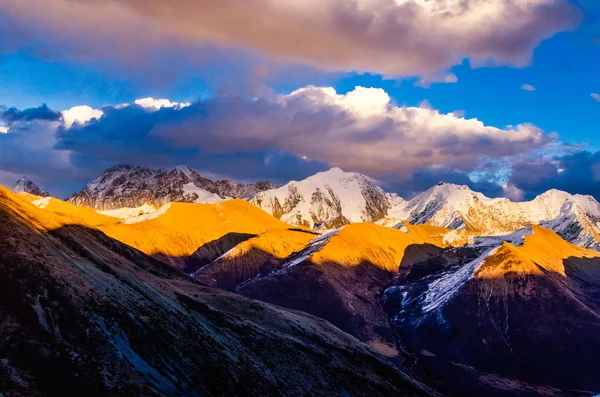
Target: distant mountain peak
(184, 169)
(328, 199)
(25, 185)
(127, 186)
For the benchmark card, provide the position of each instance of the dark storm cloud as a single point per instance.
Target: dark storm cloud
(577, 173)
(12, 115)
(425, 178)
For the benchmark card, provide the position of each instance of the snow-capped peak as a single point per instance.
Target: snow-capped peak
(574, 217)
(185, 170)
(126, 186)
(25, 185)
(443, 205)
(327, 199)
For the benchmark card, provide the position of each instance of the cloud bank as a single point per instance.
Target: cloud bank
(277, 137)
(391, 37)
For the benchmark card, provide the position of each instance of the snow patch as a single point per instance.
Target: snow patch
(312, 247)
(203, 196)
(516, 238)
(444, 288)
(42, 203)
(132, 215)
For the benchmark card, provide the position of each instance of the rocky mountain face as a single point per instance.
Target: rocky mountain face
(491, 315)
(500, 320)
(83, 314)
(573, 217)
(337, 276)
(25, 185)
(125, 186)
(328, 200)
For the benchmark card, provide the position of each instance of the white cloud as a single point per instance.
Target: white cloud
(80, 114)
(3, 129)
(527, 87)
(157, 104)
(595, 96)
(360, 130)
(512, 192)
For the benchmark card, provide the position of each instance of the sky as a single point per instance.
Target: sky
(501, 95)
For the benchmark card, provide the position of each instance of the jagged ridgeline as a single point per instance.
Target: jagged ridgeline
(334, 198)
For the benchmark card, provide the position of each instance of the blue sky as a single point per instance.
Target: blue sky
(47, 67)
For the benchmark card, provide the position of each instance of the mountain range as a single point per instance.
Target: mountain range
(125, 186)
(465, 294)
(331, 199)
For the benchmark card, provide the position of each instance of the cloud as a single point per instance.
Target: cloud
(527, 87)
(28, 149)
(361, 130)
(282, 137)
(595, 96)
(575, 173)
(391, 37)
(156, 104)
(12, 115)
(512, 192)
(424, 178)
(80, 114)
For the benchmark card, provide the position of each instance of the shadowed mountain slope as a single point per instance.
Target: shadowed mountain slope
(520, 319)
(259, 255)
(176, 236)
(83, 314)
(337, 276)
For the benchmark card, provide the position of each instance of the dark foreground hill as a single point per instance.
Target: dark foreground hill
(83, 314)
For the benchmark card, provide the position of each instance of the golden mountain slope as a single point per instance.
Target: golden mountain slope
(543, 251)
(56, 213)
(380, 246)
(177, 234)
(257, 255)
(184, 228)
(82, 314)
(28, 196)
(84, 216)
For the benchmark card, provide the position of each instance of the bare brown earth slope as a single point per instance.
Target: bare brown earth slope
(83, 314)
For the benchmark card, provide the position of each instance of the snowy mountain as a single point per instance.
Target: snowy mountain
(25, 185)
(328, 200)
(125, 186)
(574, 217)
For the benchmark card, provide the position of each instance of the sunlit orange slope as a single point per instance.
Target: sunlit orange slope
(255, 256)
(52, 218)
(28, 196)
(184, 227)
(84, 216)
(274, 243)
(370, 243)
(543, 251)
